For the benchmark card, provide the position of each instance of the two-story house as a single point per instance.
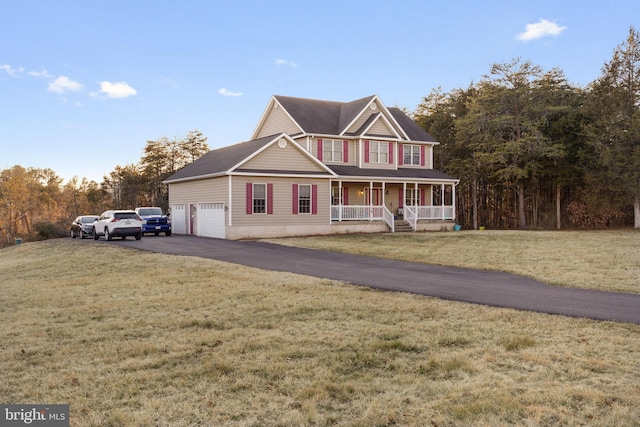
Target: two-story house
(316, 167)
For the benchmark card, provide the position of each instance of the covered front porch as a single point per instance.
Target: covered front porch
(384, 201)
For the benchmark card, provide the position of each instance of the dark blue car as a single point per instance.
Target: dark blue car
(154, 221)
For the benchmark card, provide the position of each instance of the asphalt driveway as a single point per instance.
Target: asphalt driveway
(451, 283)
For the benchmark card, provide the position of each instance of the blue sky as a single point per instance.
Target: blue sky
(84, 84)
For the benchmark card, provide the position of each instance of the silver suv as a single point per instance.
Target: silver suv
(118, 224)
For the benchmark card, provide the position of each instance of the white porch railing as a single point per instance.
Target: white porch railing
(389, 219)
(435, 212)
(411, 217)
(357, 213)
(380, 213)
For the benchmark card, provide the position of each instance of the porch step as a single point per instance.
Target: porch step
(401, 226)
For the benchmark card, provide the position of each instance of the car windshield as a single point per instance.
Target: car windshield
(89, 219)
(150, 211)
(126, 215)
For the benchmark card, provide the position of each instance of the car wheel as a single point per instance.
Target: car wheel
(168, 233)
(95, 235)
(73, 235)
(138, 236)
(107, 235)
(156, 233)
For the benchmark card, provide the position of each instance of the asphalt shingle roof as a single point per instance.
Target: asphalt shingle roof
(400, 173)
(221, 160)
(332, 118)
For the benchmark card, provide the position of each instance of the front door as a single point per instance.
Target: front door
(376, 196)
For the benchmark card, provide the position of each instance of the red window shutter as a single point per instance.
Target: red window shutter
(400, 155)
(422, 197)
(294, 200)
(400, 198)
(269, 199)
(422, 155)
(345, 195)
(314, 199)
(366, 151)
(249, 195)
(345, 154)
(319, 149)
(390, 152)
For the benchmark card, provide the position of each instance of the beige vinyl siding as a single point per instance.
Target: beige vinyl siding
(282, 202)
(380, 128)
(352, 154)
(212, 190)
(289, 158)
(278, 121)
(360, 120)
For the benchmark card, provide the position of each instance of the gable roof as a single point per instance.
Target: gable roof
(227, 159)
(217, 162)
(313, 116)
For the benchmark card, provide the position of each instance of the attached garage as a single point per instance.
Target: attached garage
(211, 220)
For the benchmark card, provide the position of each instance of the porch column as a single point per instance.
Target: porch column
(340, 201)
(370, 200)
(404, 193)
(383, 190)
(442, 199)
(453, 200)
(416, 195)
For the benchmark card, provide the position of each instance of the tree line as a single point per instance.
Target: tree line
(534, 151)
(34, 203)
(531, 150)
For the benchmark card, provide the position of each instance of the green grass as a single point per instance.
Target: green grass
(603, 260)
(204, 343)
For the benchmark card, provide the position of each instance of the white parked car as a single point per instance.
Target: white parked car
(118, 224)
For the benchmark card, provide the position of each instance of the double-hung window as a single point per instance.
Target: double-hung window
(304, 199)
(259, 198)
(332, 150)
(378, 152)
(411, 155)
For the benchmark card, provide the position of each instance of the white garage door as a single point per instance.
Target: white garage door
(178, 219)
(211, 220)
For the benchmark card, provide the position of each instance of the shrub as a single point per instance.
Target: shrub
(47, 230)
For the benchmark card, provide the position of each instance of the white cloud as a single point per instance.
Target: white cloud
(63, 84)
(117, 90)
(9, 70)
(225, 92)
(284, 62)
(44, 73)
(542, 28)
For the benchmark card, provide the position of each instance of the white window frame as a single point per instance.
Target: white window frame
(254, 199)
(305, 198)
(332, 150)
(381, 152)
(414, 155)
